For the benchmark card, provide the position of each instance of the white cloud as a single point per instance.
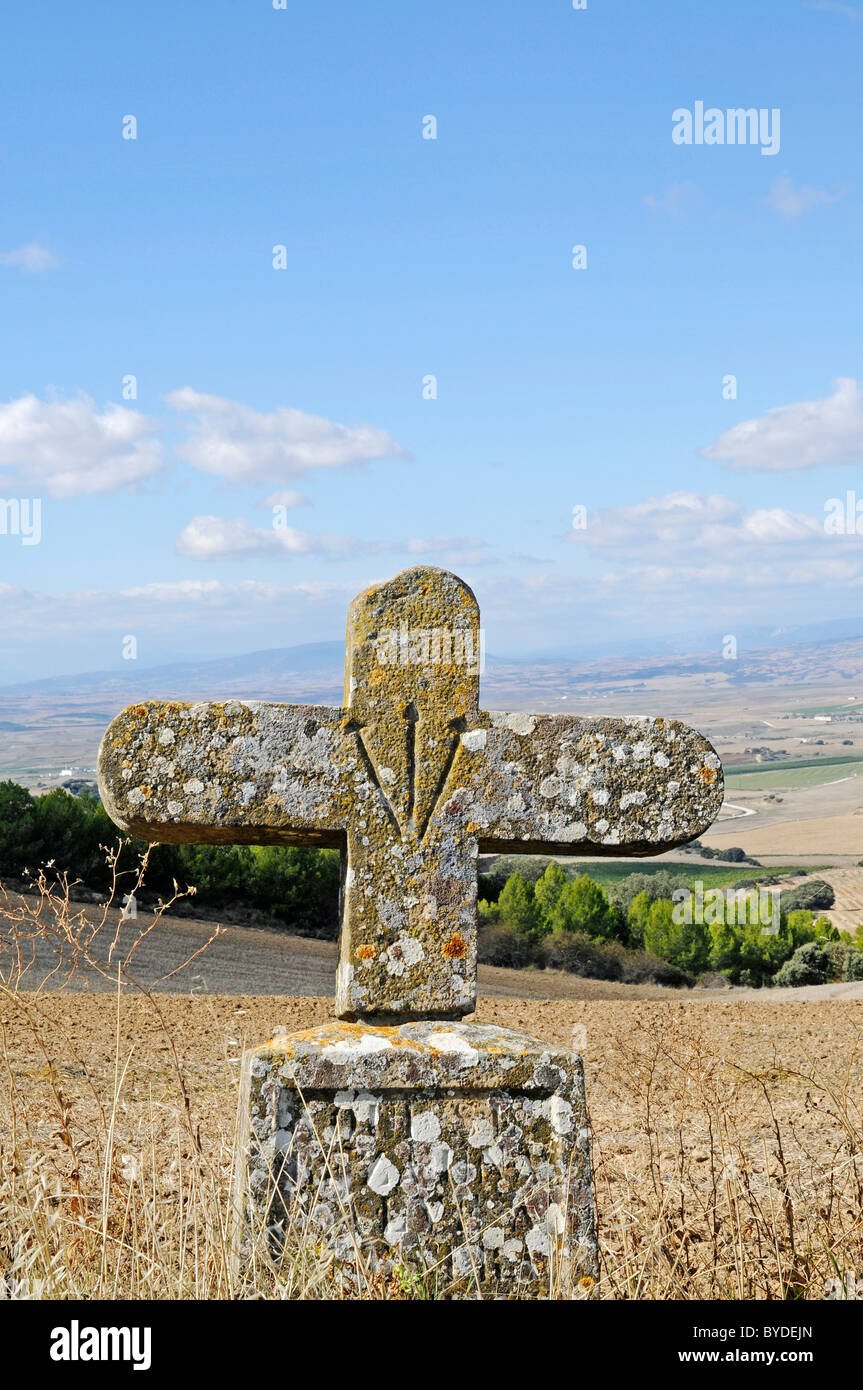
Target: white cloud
(681, 522)
(677, 517)
(790, 202)
(244, 445)
(852, 12)
(805, 434)
(32, 258)
(285, 498)
(677, 200)
(69, 447)
(232, 538)
(426, 545)
(46, 632)
(216, 593)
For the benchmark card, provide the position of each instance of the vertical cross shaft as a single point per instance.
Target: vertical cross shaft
(412, 687)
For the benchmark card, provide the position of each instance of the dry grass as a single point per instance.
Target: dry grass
(727, 1138)
(725, 1172)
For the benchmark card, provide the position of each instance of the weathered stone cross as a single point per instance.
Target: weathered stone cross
(412, 780)
(456, 1148)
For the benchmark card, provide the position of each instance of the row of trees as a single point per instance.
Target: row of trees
(549, 918)
(641, 916)
(70, 835)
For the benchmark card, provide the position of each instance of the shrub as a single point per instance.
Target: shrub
(582, 955)
(837, 953)
(808, 966)
(853, 966)
(814, 895)
(576, 952)
(640, 967)
(490, 885)
(503, 945)
(529, 866)
(659, 885)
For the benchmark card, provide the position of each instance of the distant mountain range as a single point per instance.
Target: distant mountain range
(315, 671)
(749, 639)
(268, 668)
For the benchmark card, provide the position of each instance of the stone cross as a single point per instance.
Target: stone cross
(395, 1139)
(411, 780)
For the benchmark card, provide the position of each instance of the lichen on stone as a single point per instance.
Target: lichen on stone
(410, 780)
(461, 1151)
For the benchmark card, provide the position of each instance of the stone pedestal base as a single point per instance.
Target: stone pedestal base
(451, 1154)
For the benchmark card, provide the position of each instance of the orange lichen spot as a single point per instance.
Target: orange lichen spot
(707, 774)
(365, 952)
(586, 1283)
(141, 711)
(456, 947)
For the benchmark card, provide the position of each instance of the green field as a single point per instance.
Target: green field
(835, 760)
(802, 774)
(831, 709)
(608, 872)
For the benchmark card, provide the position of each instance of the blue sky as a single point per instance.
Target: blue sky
(407, 257)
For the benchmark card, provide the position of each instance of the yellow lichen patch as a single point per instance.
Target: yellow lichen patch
(365, 953)
(707, 774)
(456, 947)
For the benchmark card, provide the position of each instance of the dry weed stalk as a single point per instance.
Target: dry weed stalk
(707, 1190)
(120, 1183)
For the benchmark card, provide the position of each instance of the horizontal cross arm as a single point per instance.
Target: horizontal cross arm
(558, 784)
(229, 772)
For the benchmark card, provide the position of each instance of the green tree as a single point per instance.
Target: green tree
(670, 936)
(547, 895)
(636, 917)
(825, 930)
(61, 832)
(17, 823)
(582, 906)
(724, 948)
(800, 925)
(517, 905)
(297, 885)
